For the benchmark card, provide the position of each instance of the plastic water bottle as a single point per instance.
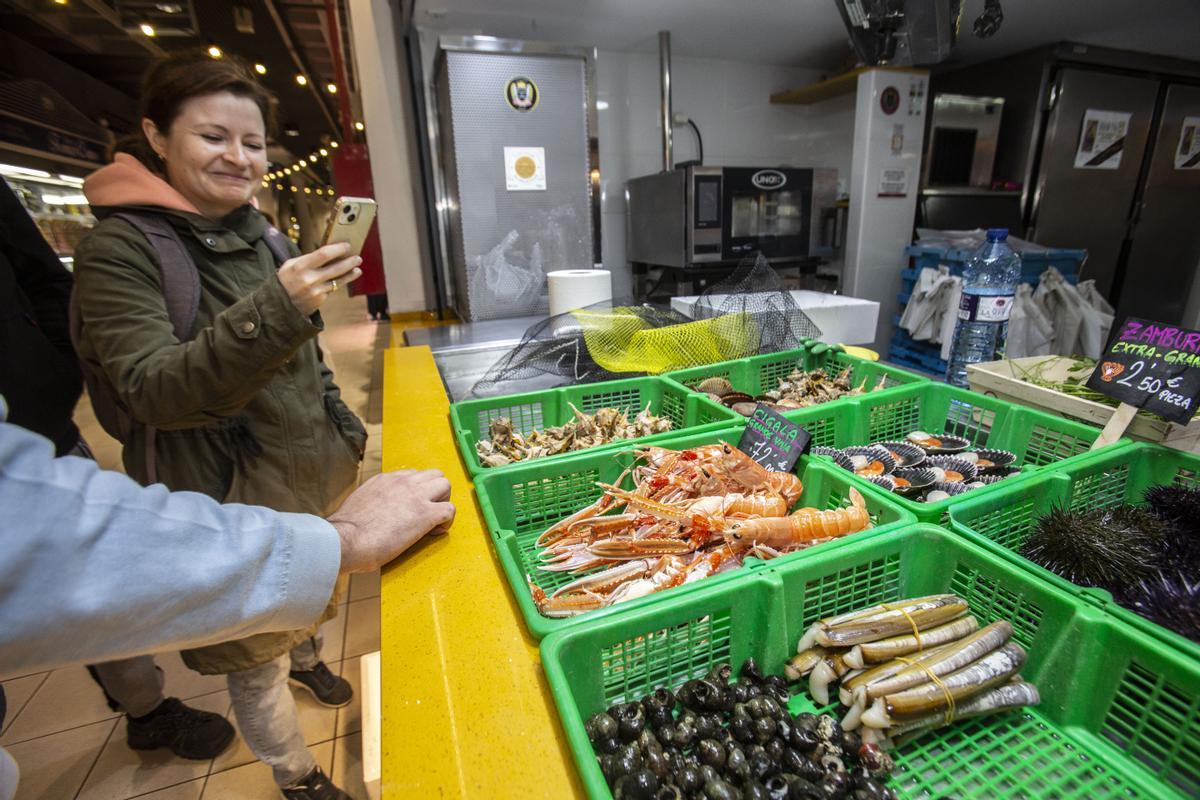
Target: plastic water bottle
(989, 286)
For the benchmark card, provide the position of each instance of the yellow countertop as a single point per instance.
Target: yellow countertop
(466, 708)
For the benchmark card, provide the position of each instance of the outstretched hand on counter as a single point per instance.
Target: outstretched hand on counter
(388, 513)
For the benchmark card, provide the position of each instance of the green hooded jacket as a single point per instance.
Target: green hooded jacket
(246, 411)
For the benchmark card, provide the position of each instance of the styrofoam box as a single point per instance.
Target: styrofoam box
(842, 319)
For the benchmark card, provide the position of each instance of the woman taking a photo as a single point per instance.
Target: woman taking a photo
(241, 406)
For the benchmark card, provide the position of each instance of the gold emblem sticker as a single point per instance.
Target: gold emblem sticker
(521, 94)
(525, 167)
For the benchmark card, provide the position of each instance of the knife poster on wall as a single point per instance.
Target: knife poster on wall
(1188, 154)
(1102, 139)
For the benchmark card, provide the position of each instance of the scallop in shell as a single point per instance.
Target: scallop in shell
(870, 460)
(839, 458)
(732, 398)
(905, 454)
(715, 385)
(952, 468)
(941, 443)
(944, 491)
(886, 481)
(914, 479)
(987, 460)
(745, 409)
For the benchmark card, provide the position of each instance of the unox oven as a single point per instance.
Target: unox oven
(702, 216)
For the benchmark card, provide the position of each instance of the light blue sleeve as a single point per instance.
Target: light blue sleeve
(94, 566)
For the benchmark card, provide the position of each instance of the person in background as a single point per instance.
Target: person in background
(242, 407)
(40, 378)
(377, 307)
(95, 567)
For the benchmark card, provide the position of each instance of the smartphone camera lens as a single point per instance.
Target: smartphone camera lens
(347, 209)
(352, 217)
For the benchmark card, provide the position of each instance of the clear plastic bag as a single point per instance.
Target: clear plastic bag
(499, 283)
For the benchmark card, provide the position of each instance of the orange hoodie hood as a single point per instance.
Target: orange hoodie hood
(127, 182)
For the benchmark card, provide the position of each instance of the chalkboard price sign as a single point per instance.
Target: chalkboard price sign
(1153, 367)
(772, 440)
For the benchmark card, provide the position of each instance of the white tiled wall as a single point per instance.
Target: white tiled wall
(730, 103)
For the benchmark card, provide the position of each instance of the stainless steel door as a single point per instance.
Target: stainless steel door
(1089, 208)
(516, 125)
(1165, 252)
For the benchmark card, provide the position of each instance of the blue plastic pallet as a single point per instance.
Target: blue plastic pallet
(919, 362)
(908, 279)
(1033, 264)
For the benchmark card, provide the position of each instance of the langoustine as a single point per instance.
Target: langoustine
(689, 513)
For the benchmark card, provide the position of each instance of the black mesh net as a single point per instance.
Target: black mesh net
(747, 314)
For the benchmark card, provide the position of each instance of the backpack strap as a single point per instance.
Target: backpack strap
(277, 243)
(181, 291)
(180, 279)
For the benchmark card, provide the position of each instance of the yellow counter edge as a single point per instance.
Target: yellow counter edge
(466, 708)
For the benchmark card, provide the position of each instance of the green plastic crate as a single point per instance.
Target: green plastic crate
(1111, 477)
(1038, 439)
(521, 502)
(1120, 712)
(687, 412)
(760, 374)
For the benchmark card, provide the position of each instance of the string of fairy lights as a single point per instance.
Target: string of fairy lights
(276, 177)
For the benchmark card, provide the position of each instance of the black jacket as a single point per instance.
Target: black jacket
(39, 375)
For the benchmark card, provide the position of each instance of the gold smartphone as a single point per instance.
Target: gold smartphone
(350, 222)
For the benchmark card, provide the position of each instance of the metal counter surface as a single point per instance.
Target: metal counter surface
(466, 708)
(473, 335)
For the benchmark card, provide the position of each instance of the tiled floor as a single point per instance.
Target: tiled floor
(70, 745)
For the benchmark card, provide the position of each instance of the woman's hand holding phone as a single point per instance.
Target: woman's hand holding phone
(309, 278)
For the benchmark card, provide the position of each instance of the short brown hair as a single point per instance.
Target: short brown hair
(180, 77)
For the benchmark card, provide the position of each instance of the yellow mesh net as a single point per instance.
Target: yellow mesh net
(622, 341)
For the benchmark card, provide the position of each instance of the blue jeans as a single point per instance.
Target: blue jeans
(266, 712)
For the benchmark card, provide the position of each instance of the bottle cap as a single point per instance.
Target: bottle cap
(997, 234)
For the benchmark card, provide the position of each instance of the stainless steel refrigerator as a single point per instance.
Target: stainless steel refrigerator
(518, 172)
(1106, 144)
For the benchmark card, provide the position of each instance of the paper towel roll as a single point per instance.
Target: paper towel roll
(576, 288)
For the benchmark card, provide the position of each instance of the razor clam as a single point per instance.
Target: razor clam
(1011, 695)
(826, 671)
(885, 670)
(801, 664)
(884, 649)
(883, 621)
(992, 670)
(954, 656)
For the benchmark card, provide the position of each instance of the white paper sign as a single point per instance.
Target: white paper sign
(1102, 139)
(1187, 156)
(893, 183)
(525, 169)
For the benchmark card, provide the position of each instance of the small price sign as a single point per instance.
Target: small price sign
(1152, 367)
(773, 441)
